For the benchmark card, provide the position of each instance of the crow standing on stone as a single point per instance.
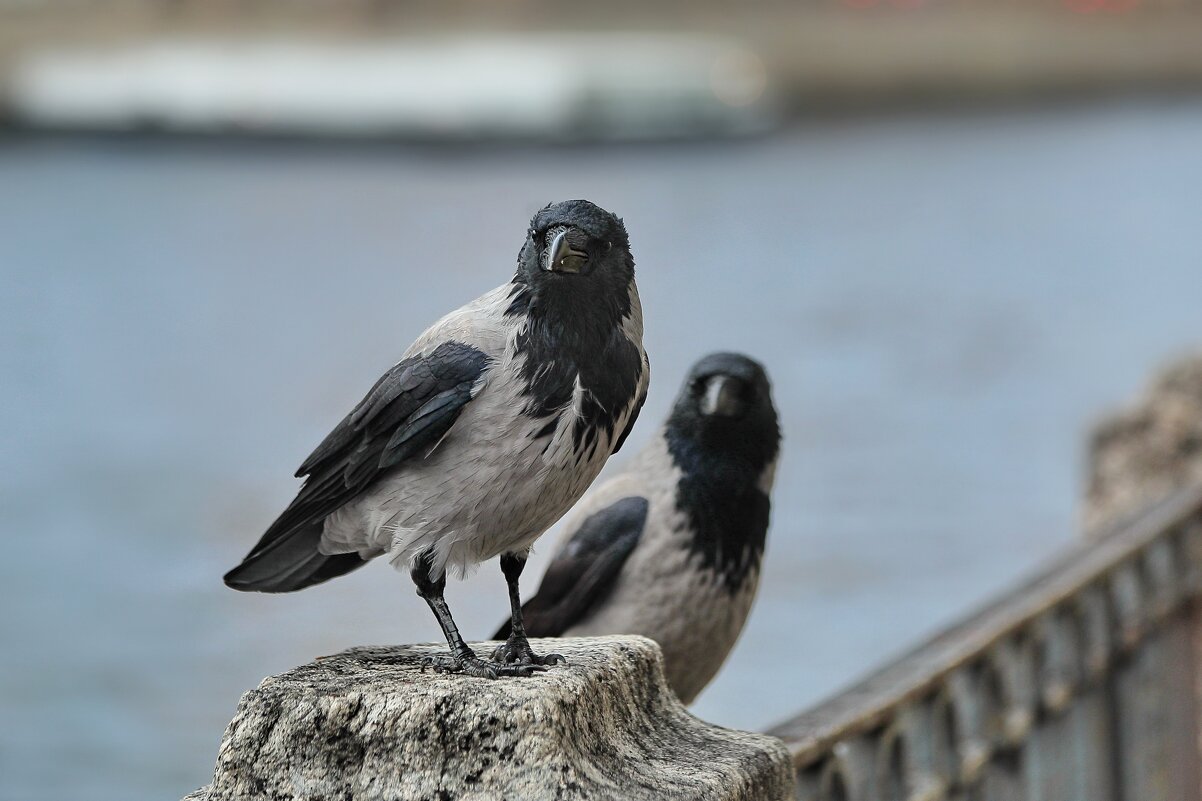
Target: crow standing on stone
(491, 426)
(670, 548)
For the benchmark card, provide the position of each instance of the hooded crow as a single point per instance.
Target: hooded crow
(670, 548)
(493, 423)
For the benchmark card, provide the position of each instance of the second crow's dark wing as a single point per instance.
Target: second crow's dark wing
(405, 415)
(585, 569)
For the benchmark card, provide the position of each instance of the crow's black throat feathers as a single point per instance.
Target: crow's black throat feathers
(721, 460)
(573, 329)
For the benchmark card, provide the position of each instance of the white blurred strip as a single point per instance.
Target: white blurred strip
(552, 85)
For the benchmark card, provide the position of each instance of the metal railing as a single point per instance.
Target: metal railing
(1080, 685)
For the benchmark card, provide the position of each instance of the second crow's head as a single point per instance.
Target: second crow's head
(724, 412)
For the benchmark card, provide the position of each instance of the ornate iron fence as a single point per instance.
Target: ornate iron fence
(1081, 685)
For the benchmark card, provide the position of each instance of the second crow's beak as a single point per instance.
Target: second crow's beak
(723, 397)
(564, 258)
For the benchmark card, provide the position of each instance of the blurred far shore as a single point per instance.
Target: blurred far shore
(534, 70)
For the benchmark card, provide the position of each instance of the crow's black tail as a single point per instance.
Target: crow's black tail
(291, 562)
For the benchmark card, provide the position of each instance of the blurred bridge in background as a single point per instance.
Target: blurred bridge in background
(773, 60)
(1082, 685)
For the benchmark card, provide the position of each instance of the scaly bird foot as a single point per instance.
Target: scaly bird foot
(480, 668)
(518, 652)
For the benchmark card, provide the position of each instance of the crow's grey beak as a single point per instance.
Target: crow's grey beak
(565, 258)
(722, 397)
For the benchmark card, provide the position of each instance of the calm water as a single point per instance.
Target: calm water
(944, 303)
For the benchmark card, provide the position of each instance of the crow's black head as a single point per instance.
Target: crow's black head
(576, 259)
(725, 411)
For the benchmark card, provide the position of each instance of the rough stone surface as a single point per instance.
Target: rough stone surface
(1146, 452)
(369, 723)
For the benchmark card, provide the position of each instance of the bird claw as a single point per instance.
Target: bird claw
(480, 668)
(519, 653)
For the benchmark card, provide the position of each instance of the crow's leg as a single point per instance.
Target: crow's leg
(516, 650)
(462, 659)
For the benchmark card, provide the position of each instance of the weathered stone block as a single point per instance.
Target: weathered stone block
(369, 723)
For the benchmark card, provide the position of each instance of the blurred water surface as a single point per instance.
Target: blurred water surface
(944, 302)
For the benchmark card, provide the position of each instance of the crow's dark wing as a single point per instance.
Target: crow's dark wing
(405, 415)
(638, 407)
(585, 569)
